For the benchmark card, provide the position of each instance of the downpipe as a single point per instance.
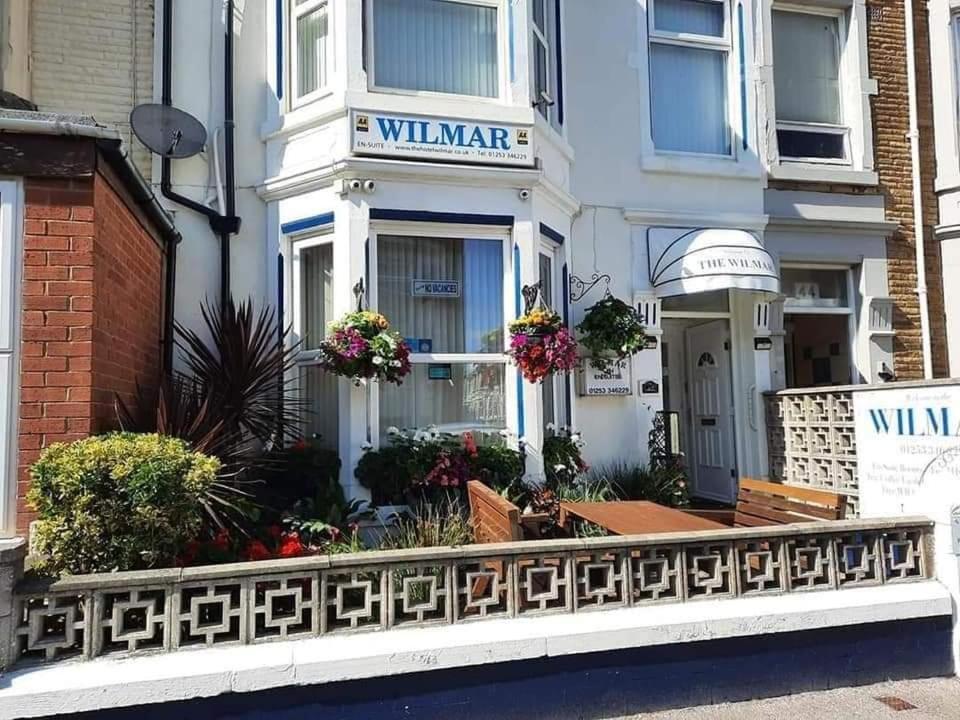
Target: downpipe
(224, 225)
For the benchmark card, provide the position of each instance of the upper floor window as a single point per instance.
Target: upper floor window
(689, 51)
(807, 54)
(543, 61)
(440, 46)
(309, 45)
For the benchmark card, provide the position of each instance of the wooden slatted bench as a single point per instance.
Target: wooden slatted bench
(496, 519)
(762, 503)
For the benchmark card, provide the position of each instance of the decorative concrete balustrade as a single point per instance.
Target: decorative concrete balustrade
(810, 440)
(164, 610)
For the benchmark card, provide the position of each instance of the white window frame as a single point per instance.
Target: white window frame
(502, 56)
(11, 232)
(558, 381)
(856, 87)
(304, 358)
(722, 44)
(828, 128)
(850, 309)
(294, 13)
(543, 36)
(459, 232)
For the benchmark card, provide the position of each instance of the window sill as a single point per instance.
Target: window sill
(811, 172)
(701, 166)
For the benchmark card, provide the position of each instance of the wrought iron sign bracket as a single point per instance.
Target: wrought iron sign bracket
(579, 287)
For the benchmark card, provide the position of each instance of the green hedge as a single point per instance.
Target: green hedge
(120, 501)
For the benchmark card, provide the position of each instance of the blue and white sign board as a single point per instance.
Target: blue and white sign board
(908, 450)
(436, 288)
(442, 139)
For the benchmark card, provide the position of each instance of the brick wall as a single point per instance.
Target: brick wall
(92, 314)
(94, 57)
(890, 111)
(128, 322)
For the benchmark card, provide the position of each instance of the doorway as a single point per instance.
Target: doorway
(698, 385)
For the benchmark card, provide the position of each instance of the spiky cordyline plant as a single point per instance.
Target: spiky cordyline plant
(234, 396)
(244, 371)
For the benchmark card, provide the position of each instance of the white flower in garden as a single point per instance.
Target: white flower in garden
(377, 360)
(365, 445)
(504, 433)
(559, 467)
(421, 436)
(393, 430)
(551, 426)
(575, 437)
(394, 363)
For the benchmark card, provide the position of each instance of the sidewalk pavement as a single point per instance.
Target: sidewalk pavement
(933, 699)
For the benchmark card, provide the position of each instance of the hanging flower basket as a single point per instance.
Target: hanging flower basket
(612, 331)
(540, 345)
(361, 347)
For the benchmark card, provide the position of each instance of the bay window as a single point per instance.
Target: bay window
(807, 55)
(689, 51)
(441, 46)
(308, 41)
(445, 296)
(312, 275)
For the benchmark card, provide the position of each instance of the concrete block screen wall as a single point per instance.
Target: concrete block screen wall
(92, 311)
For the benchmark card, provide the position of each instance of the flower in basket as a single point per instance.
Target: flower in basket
(540, 345)
(361, 346)
(611, 331)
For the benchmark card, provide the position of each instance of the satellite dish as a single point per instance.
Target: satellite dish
(168, 131)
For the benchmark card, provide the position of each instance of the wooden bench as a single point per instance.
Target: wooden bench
(496, 519)
(765, 503)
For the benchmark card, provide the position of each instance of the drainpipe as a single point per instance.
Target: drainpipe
(222, 225)
(914, 136)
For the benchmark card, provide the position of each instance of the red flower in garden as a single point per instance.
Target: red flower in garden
(469, 444)
(256, 550)
(291, 546)
(221, 541)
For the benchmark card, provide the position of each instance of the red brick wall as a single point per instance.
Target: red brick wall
(92, 314)
(128, 321)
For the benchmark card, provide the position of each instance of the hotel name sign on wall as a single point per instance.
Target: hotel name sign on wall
(441, 139)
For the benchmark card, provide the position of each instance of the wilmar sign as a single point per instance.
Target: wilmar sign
(908, 450)
(447, 140)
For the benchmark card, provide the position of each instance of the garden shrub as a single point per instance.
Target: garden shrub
(662, 484)
(121, 501)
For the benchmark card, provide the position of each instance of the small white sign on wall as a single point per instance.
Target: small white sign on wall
(612, 382)
(908, 450)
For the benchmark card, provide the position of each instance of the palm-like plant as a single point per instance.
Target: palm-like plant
(233, 398)
(244, 370)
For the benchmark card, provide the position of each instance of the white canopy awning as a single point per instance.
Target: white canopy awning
(684, 261)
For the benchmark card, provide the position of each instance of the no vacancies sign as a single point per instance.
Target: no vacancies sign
(444, 139)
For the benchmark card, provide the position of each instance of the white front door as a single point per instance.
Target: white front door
(9, 337)
(713, 461)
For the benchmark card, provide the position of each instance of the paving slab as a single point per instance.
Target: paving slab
(933, 699)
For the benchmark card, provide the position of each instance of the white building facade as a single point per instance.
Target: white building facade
(443, 154)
